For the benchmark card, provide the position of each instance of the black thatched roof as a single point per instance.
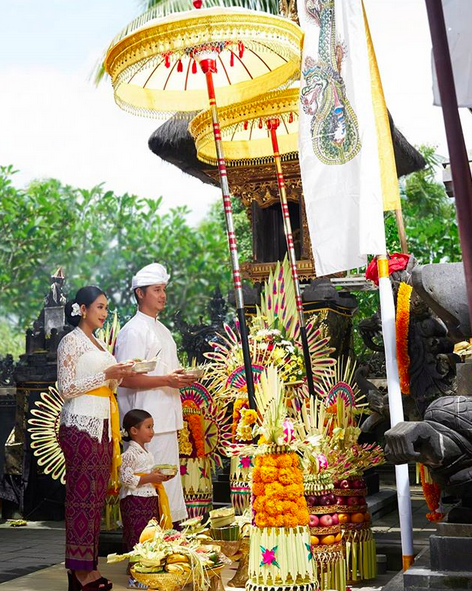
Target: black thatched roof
(173, 143)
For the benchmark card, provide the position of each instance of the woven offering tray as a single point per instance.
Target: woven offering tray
(323, 548)
(162, 581)
(325, 509)
(356, 526)
(350, 492)
(352, 509)
(325, 531)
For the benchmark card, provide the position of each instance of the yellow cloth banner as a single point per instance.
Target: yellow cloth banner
(165, 519)
(105, 392)
(388, 167)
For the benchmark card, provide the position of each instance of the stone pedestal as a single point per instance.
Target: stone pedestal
(450, 561)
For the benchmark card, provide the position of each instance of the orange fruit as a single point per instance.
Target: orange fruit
(344, 517)
(338, 538)
(357, 518)
(328, 540)
(366, 516)
(149, 531)
(314, 540)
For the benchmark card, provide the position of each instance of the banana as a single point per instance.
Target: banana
(181, 567)
(173, 558)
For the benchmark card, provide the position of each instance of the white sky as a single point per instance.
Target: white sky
(55, 123)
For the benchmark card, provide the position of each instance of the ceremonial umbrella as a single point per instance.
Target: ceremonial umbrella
(241, 53)
(250, 136)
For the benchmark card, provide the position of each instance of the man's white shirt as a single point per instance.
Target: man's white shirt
(145, 337)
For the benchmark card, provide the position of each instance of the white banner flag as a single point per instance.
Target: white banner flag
(339, 150)
(458, 17)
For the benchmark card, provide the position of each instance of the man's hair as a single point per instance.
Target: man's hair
(143, 289)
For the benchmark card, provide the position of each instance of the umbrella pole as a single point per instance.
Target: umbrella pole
(272, 125)
(208, 66)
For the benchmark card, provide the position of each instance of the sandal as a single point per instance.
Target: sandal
(134, 584)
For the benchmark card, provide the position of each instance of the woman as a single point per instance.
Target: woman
(87, 374)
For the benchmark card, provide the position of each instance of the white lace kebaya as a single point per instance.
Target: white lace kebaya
(136, 460)
(80, 369)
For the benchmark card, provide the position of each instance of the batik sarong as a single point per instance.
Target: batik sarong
(135, 514)
(88, 463)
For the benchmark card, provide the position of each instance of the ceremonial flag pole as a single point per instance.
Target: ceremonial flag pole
(208, 65)
(461, 177)
(272, 125)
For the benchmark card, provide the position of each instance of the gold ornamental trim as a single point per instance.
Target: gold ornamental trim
(144, 63)
(258, 272)
(246, 140)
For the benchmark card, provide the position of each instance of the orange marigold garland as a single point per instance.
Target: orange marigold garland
(278, 491)
(432, 495)
(402, 327)
(194, 421)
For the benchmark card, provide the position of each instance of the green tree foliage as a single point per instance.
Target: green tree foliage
(101, 238)
(429, 215)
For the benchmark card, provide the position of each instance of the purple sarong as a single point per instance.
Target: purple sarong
(135, 514)
(88, 463)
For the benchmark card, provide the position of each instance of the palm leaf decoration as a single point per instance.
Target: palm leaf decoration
(278, 306)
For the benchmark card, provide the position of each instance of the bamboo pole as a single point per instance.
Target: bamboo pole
(208, 66)
(272, 125)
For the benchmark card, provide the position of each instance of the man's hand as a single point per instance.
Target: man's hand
(179, 379)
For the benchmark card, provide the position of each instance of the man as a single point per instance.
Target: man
(157, 392)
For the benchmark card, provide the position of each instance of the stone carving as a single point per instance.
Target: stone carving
(196, 338)
(443, 440)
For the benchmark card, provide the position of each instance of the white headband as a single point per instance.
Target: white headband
(152, 274)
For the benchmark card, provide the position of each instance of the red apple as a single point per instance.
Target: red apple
(310, 500)
(344, 484)
(340, 500)
(359, 483)
(313, 521)
(335, 518)
(361, 501)
(326, 521)
(352, 501)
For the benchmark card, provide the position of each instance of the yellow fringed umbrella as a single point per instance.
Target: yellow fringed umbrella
(154, 68)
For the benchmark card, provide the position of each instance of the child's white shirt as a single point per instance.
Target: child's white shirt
(136, 460)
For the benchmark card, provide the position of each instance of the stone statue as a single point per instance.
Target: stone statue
(443, 440)
(430, 348)
(196, 338)
(56, 297)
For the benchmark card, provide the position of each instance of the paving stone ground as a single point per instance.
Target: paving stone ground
(39, 545)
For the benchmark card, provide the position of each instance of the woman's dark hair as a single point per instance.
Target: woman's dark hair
(86, 296)
(133, 418)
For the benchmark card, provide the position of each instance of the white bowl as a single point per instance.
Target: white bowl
(144, 366)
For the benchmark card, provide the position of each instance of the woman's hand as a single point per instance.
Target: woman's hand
(179, 379)
(158, 477)
(119, 371)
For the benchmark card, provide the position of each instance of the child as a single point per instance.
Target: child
(139, 499)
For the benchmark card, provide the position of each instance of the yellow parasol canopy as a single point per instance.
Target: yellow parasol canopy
(245, 135)
(154, 70)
